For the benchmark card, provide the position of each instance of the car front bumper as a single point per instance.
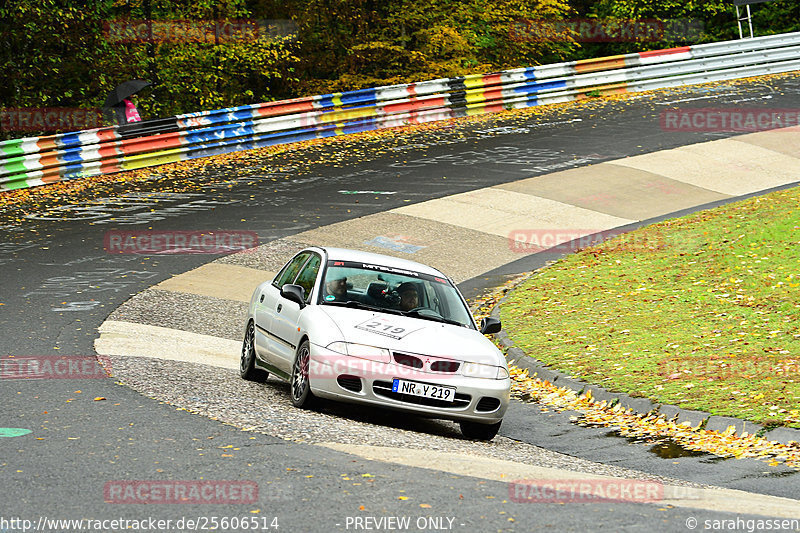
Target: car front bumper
(352, 379)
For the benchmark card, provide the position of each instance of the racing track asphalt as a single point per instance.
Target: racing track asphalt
(52, 264)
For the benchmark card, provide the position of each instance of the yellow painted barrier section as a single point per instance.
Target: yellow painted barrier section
(346, 114)
(475, 96)
(148, 160)
(471, 82)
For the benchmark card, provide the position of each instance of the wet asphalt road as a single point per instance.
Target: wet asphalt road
(58, 285)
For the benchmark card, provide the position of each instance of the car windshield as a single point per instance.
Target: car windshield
(392, 290)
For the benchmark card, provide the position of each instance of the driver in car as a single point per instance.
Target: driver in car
(337, 288)
(409, 299)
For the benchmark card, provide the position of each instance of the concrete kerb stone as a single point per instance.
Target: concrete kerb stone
(783, 435)
(641, 406)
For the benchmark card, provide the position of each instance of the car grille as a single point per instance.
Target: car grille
(407, 360)
(438, 365)
(351, 383)
(487, 404)
(384, 389)
(445, 366)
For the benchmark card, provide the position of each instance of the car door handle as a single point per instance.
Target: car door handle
(262, 298)
(280, 306)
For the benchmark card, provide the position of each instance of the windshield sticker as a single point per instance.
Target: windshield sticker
(330, 298)
(385, 327)
(389, 269)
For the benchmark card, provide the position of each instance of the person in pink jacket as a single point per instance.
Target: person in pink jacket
(131, 113)
(120, 101)
(125, 112)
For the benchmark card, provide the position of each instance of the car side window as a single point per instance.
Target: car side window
(308, 275)
(291, 269)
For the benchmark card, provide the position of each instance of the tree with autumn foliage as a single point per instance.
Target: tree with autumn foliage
(704, 21)
(57, 53)
(60, 53)
(350, 44)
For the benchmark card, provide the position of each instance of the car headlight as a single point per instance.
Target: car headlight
(363, 351)
(477, 370)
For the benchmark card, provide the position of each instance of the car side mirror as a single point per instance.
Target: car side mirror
(490, 325)
(294, 293)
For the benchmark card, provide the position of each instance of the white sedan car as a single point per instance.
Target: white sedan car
(365, 328)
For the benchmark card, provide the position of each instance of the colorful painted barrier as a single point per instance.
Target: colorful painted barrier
(37, 161)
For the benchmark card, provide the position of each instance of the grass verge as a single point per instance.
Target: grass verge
(700, 311)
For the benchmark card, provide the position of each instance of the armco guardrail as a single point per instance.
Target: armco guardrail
(41, 160)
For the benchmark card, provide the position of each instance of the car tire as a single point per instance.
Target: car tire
(300, 384)
(476, 431)
(247, 362)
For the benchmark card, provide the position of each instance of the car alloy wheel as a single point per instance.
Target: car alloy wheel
(247, 363)
(300, 383)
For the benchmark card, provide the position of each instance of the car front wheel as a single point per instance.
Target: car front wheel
(300, 384)
(476, 431)
(247, 363)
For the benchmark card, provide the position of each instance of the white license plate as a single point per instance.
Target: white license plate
(426, 390)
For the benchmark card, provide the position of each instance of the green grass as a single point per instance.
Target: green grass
(700, 311)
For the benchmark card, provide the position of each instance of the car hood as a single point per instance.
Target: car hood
(414, 335)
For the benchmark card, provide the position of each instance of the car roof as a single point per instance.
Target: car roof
(345, 254)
